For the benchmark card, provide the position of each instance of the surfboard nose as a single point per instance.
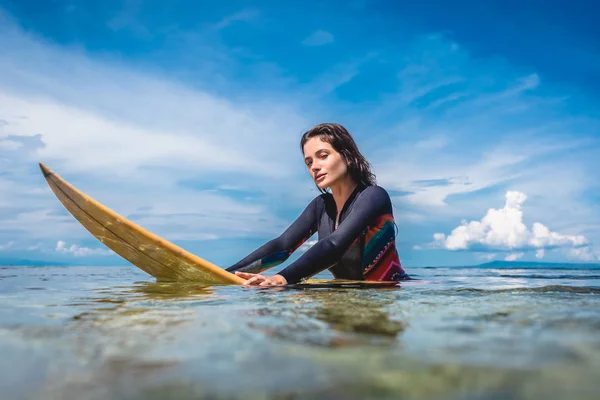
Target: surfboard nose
(45, 170)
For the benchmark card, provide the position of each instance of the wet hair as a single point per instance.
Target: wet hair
(342, 142)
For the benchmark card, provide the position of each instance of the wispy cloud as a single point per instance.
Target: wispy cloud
(7, 246)
(514, 256)
(318, 38)
(244, 15)
(584, 254)
(540, 253)
(336, 76)
(487, 256)
(127, 19)
(80, 251)
(460, 175)
(128, 139)
(10, 145)
(35, 247)
(307, 245)
(82, 113)
(497, 129)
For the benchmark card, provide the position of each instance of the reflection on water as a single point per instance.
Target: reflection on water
(169, 290)
(349, 312)
(332, 318)
(112, 333)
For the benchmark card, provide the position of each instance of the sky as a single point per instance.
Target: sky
(480, 119)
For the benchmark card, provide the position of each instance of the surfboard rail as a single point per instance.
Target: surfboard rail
(147, 251)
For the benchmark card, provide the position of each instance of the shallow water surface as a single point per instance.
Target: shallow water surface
(455, 333)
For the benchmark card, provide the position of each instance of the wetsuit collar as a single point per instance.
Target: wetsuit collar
(332, 206)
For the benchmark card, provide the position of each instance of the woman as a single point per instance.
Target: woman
(354, 220)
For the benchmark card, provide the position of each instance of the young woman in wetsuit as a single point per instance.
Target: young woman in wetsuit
(354, 220)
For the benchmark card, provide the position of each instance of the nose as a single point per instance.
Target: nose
(315, 168)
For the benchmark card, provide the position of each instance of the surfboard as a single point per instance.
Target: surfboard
(152, 254)
(343, 284)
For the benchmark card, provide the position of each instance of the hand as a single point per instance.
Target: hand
(261, 280)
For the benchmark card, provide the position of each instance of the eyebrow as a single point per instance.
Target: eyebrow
(317, 152)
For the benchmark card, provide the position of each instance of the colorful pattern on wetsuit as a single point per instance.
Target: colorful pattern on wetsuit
(362, 247)
(380, 259)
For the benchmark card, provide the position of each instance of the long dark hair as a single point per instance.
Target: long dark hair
(339, 138)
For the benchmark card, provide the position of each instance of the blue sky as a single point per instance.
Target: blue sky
(480, 119)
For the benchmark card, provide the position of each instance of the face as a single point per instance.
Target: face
(325, 165)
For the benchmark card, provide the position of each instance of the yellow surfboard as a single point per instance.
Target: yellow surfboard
(156, 256)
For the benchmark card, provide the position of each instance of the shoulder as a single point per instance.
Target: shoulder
(323, 198)
(375, 197)
(319, 201)
(375, 192)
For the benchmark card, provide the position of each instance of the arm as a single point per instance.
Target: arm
(371, 203)
(278, 250)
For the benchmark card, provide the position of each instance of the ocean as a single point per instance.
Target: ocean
(453, 333)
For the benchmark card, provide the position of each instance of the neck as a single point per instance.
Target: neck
(341, 191)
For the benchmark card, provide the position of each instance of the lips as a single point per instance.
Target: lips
(319, 177)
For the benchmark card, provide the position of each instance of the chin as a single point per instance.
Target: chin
(322, 185)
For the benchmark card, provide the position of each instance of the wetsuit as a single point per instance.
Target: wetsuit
(362, 247)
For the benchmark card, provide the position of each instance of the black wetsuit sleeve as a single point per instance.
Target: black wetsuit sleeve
(372, 202)
(278, 250)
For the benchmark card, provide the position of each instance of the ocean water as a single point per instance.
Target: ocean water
(455, 333)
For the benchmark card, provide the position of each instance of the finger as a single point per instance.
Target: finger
(250, 281)
(254, 280)
(245, 275)
(269, 282)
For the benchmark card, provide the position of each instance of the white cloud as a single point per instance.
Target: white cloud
(540, 253)
(79, 251)
(43, 224)
(9, 145)
(487, 256)
(338, 75)
(439, 236)
(100, 113)
(514, 256)
(244, 15)
(318, 38)
(435, 159)
(583, 254)
(448, 103)
(7, 246)
(503, 229)
(126, 18)
(83, 140)
(129, 139)
(307, 245)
